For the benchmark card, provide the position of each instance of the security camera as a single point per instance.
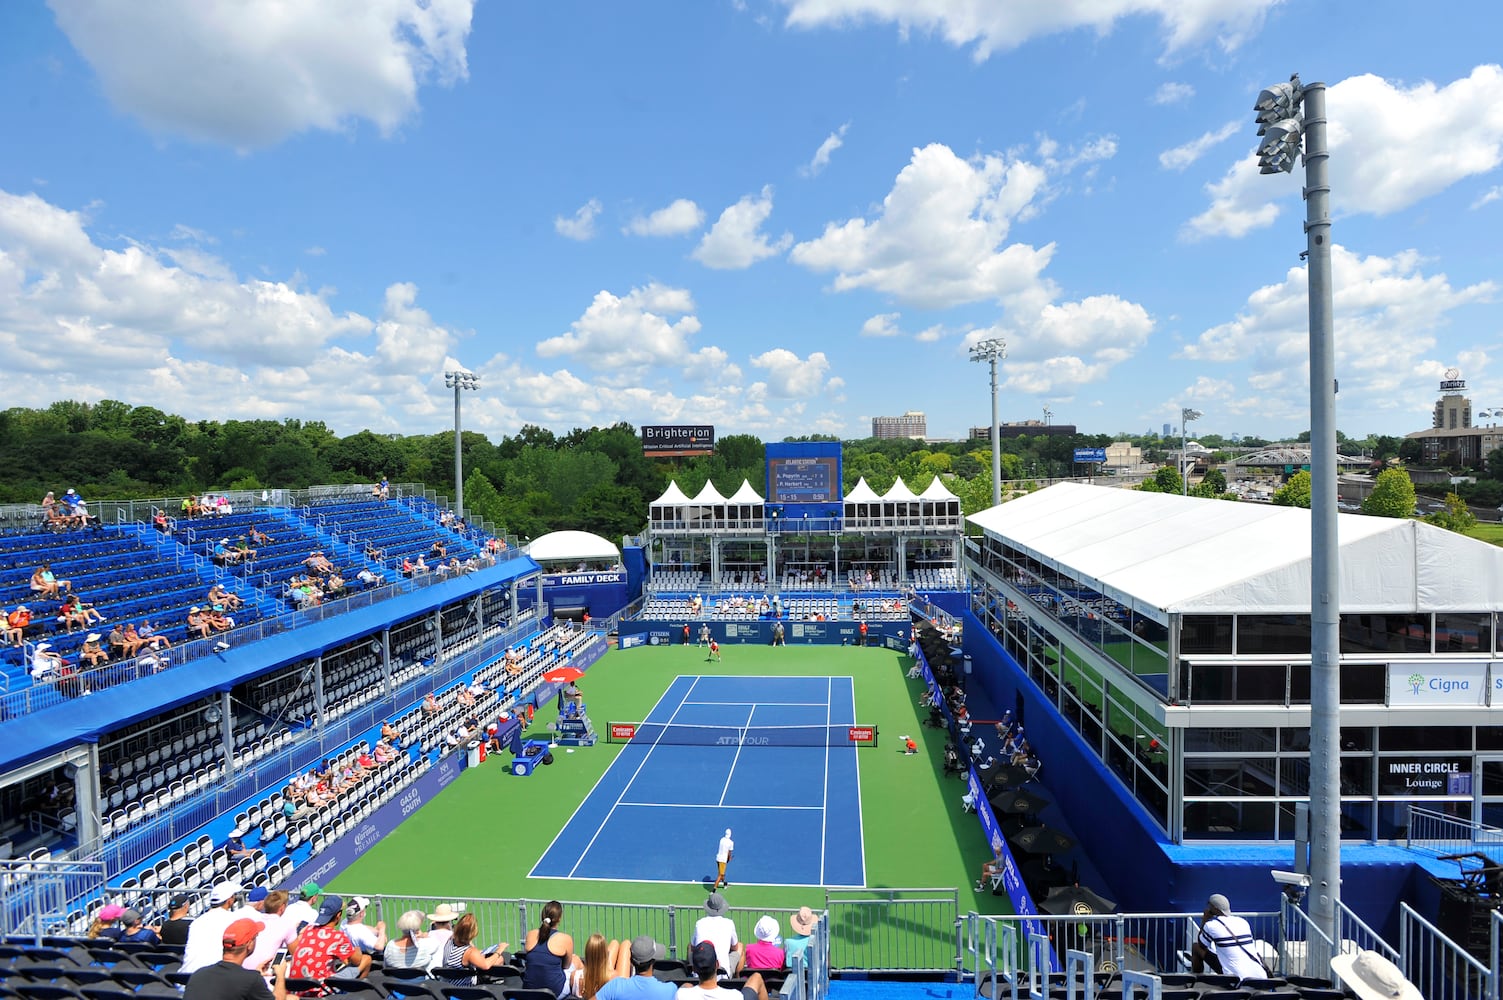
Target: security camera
(1298, 879)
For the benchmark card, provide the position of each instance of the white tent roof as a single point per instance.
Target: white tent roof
(1177, 554)
(862, 493)
(672, 496)
(937, 490)
(571, 545)
(708, 495)
(746, 494)
(899, 492)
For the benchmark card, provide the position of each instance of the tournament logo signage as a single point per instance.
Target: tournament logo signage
(1428, 682)
(678, 440)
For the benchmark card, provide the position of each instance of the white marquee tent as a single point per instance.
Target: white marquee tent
(572, 546)
(1163, 553)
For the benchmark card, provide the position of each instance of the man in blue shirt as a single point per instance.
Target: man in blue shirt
(641, 984)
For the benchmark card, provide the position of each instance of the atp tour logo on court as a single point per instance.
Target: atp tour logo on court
(742, 741)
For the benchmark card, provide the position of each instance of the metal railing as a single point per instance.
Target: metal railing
(35, 894)
(1441, 968)
(894, 930)
(1437, 833)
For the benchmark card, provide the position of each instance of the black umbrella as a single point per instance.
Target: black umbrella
(1040, 877)
(1042, 840)
(1008, 776)
(1019, 802)
(1075, 900)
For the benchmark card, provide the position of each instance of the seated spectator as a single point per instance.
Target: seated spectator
(374, 554)
(334, 584)
(45, 583)
(223, 554)
(802, 923)
(235, 846)
(643, 955)
(420, 568)
(73, 614)
(224, 598)
(702, 961)
(385, 752)
(430, 704)
(766, 952)
(151, 638)
(603, 961)
(134, 931)
(382, 490)
(116, 641)
(410, 949)
(717, 929)
(46, 663)
(222, 506)
(243, 549)
(408, 569)
(323, 950)
(550, 953)
(259, 537)
(439, 550)
(319, 563)
(459, 952)
(91, 652)
(13, 626)
(464, 698)
(495, 545)
(198, 622)
(389, 732)
(370, 577)
(441, 925)
(159, 522)
(370, 940)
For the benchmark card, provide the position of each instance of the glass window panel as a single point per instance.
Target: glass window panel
(1206, 634)
(1385, 633)
(1273, 634)
(1356, 738)
(1210, 683)
(1261, 683)
(1457, 632)
(1229, 820)
(1490, 737)
(1363, 683)
(1356, 775)
(1258, 739)
(1294, 776)
(1425, 738)
(1229, 776)
(1295, 738)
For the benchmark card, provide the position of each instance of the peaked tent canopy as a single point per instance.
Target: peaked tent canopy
(672, 496)
(937, 490)
(708, 495)
(1162, 553)
(746, 494)
(899, 493)
(572, 546)
(862, 493)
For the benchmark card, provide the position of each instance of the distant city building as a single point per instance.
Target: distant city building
(1452, 439)
(911, 424)
(1168, 430)
(1021, 428)
(1123, 455)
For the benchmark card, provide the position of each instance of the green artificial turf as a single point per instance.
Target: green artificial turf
(480, 836)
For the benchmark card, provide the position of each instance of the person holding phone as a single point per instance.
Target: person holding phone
(459, 952)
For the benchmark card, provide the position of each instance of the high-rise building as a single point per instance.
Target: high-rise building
(1453, 439)
(1168, 430)
(912, 424)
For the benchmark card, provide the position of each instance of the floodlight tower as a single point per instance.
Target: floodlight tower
(1186, 414)
(458, 381)
(1291, 115)
(992, 350)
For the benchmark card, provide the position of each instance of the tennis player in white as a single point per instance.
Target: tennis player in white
(723, 855)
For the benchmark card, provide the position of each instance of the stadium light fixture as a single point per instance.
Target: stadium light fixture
(1291, 117)
(1186, 414)
(992, 350)
(459, 381)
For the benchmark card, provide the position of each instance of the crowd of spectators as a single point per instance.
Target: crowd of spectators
(68, 512)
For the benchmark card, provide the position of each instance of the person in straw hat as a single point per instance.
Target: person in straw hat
(1373, 977)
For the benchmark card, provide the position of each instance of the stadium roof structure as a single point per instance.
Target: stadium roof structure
(862, 493)
(899, 492)
(672, 496)
(571, 545)
(937, 490)
(1162, 554)
(745, 494)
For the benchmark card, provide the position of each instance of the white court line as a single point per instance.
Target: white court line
(706, 805)
(679, 881)
(739, 744)
(582, 801)
(856, 766)
(824, 806)
(779, 704)
(645, 757)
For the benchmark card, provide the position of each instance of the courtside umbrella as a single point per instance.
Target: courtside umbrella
(1020, 802)
(1075, 900)
(1042, 840)
(562, 675)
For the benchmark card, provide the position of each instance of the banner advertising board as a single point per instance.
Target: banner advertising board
(1417, 776)
(583, 579)
(678, 440)
(1457, 682)
(1090, 455)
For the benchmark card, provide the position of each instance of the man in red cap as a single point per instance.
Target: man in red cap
(226, 980)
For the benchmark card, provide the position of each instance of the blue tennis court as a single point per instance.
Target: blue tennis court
(658, 812)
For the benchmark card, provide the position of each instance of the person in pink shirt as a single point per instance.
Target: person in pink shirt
(766, 952)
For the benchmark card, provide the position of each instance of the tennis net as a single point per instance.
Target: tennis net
(686, 734)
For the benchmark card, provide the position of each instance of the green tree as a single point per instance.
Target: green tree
(1215, 480)
(1455, 516)
(1392, 495)
(1296, 492)
(481, 498)
(1165, 479)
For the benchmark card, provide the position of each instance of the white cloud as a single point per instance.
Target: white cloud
(736, 240)
(882, 325)
(626, 334)
(990, 25)
(791, 377)
(1181, 157)
(1387, 313)
(1173, 93)
(677, 219)
(930, 334)
(581, 225)
(1488, 197)
(937, 240)
(1380, 161)
(1207, 388)
(252, 72)
(826, 149)
(315, 251)
(1058, 347)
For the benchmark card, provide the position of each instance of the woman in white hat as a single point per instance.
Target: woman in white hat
(91, 652)
(1373, 977)
(441, 926)
(801, 922)
(766, 952)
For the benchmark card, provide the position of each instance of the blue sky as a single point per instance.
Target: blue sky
(776, 216)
